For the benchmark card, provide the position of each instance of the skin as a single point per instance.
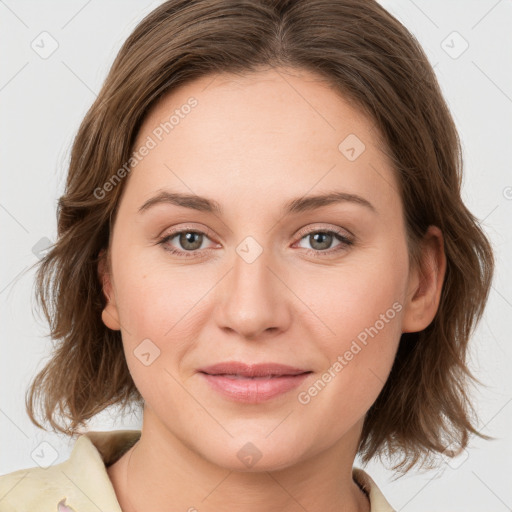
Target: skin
(253, 143)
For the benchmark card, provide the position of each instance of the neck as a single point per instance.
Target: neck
(161, 473)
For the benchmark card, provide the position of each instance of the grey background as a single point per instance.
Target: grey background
(42, 103)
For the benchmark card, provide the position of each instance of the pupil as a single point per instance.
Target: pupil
(324, 245)
(187, 238)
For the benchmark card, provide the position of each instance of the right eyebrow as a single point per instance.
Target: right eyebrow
(186, 200)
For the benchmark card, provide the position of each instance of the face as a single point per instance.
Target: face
(321, 286)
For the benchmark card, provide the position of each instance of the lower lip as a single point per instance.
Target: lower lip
(253, 390)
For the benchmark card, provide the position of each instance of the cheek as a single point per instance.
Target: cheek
(157, 320)
(353, 295)
(156, 299)
(362, 310)
(358, 309)
(161, 316)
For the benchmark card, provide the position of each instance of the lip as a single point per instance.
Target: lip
(252, 370)
(252, 383)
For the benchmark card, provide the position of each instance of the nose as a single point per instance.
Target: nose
(253, 300)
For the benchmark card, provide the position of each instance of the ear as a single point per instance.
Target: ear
(425, 283)
(109, 315)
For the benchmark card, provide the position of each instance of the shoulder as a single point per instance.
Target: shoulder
(81, 482)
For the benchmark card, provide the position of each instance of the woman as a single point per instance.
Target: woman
(262, 243)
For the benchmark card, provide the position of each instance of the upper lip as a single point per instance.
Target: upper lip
(251, 370)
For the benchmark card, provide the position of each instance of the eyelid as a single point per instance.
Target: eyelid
(315, 228)
(188, 227)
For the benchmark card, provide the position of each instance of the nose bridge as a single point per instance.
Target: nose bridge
(250, 270)
(253, 300)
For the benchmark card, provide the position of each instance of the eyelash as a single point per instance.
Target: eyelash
(345, 242)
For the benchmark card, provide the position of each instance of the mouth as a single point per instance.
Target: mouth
(244, 377)
(254, 384)
(244, 370)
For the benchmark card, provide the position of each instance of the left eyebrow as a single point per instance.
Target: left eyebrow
(297, 205)
(313, 202)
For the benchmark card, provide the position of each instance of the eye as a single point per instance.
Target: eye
(322, 239)
(190, 241)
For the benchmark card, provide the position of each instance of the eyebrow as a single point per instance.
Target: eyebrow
(298, 205)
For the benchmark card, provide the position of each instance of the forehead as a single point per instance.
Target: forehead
(231, 136)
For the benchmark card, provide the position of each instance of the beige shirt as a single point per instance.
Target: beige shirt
(81, 483)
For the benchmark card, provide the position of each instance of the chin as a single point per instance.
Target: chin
(245, 456)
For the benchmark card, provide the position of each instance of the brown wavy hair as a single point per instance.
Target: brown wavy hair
(371, 59)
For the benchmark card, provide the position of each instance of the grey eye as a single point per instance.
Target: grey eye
(320, 240)
(190, 240)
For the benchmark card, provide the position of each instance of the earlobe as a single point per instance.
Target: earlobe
(425, 284)
(109, 315)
